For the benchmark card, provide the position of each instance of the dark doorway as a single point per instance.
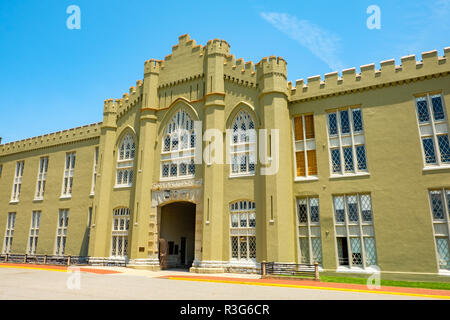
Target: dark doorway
(178, 229)
(342, 251)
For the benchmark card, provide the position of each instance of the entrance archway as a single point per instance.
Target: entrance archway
(177, 228)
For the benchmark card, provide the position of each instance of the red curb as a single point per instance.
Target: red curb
(64, 268)
(318, 284)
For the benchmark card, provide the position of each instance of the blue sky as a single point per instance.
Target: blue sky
(53, 78)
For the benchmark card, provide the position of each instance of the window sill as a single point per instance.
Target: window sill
(38, 199)
(357, 270)
(444, 272)
(312, 178)
(65, 197)
(122, 186)
(349, 175)
(437, 168)
(13, 201)
(175, 178)
(241, 175)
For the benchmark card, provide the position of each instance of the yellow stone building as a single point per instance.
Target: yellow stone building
(353, 171)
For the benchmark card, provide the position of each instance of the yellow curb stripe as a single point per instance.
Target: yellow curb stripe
(312, 287)
(33, 268)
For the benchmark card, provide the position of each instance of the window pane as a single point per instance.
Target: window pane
(251, 220)
(252, 247)
(314, 209)
(437, 205)
(371, 255)
(309, 126)
(366, 208)
(312, 162)
(300, 158)
(243, 247)
(444, 148)
(339, 209)
(298, 128)
(422, 110)
(345, 123)
(234, 247)
(304, 250)
(352, 207)
(336, 160)
(243, 218)
(428, 148)
(234, 220)
(356, 251)
(357, 120)
(438, 110)
(302, 211)
(332, 124)
(348, 159)
(317, 250)
(361, 157)
(443, 252)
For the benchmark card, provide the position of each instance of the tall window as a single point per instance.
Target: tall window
(346, 142)
(433, 130)
(125, 162)
(94, 171)
(17, 181)
(34, 232)
(61, 231)
(355, 235)
(68, 175)
(178, 146)
(243, 230)
(305, 146)
(41, 178)
(243, 145)
(440, 209)
(309, 230)
(121, 222)
(9, 233)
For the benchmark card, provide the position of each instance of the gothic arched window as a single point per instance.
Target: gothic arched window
(178, 145)
(125, 160)
(243, 145)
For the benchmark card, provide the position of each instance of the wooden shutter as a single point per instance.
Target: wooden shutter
(309, 126)
(300, 157)
(312, 162)
(298, 127)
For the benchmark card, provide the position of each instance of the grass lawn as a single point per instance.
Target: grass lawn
(390, 283)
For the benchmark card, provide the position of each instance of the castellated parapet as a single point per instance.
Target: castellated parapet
(217, 47)
(410, 69)
(272, 74)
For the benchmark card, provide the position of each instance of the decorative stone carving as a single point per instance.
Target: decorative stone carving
(184, 190)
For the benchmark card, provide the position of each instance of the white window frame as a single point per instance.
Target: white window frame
(441, 227)
(120, 229)
(432, 129)
(69, 168)
(61, 232)
(304, 145)
(17, 182)
(34, 232)
(352, 140)
(308, 230)
(94, 171)
(41, 178)
(243, 145)
(125, 162)
(181, 125)
(244, 208)
(350, 229)
(9, 232)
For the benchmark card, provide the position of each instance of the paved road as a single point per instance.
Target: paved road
(40, 284)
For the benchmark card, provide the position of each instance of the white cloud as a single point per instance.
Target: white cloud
(320, 42)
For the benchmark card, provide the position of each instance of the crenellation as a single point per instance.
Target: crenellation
(51, 139)
(369, 77)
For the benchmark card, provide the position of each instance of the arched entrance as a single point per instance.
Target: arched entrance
(177, 234)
